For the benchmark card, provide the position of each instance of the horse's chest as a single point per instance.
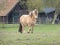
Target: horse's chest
(34, 21)
(31, 21)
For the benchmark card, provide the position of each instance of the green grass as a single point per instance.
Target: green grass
(43, 35)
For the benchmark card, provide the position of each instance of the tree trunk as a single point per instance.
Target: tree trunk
(55, 16)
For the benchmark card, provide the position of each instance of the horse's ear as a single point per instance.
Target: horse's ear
(36, 11)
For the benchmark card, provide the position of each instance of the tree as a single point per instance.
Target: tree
(55, 4)
(23, 4)
(56, 12)
(32, 4)
(40, 4)
(50, 3)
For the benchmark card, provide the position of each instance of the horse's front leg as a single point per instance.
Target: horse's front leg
(29, 29)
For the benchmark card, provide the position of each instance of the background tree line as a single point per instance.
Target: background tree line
(41, 4)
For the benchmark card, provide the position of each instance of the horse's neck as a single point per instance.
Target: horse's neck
(34, 19)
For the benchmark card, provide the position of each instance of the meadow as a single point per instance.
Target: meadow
(44, 34)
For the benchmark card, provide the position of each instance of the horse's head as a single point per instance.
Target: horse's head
(35, 13)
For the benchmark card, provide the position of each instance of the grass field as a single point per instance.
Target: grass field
(43, 35)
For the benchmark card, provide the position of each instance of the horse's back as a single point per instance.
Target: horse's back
(25, 19)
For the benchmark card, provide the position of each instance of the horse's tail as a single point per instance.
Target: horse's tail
(20, 28)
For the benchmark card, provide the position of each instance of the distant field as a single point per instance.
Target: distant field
(44, 34)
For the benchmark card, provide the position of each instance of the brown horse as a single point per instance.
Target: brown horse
(28, 20)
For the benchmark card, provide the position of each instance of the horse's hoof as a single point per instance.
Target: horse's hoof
(20, 32)
(28, 32)
(31, 32)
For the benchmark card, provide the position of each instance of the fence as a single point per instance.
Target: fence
(14, 23)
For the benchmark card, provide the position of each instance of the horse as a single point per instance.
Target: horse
(28, 20)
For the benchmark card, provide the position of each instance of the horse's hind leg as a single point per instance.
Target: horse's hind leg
(23, 29)
(32, 29)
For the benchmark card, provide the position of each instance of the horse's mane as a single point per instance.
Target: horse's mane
(34, 11)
